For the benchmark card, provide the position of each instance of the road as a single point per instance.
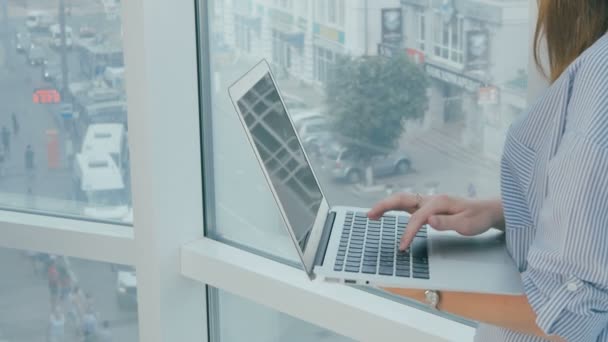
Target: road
(24, 296)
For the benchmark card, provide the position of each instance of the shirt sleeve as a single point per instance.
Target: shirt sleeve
(566, 281)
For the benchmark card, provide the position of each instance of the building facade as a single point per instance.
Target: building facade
(303, 39)
(475, 52)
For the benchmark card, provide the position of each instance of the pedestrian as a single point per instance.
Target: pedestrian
(53, 281)
(6, 139)
(75, 307)
(2, 160)
(104, 334)
(554, 195)
(29, 160)
(15, 124)
(56, 328)
(65, 284)
(471, 191)
(89, 326)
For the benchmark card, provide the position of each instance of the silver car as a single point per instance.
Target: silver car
(347, 164)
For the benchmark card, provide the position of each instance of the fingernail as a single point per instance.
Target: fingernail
(402, 246)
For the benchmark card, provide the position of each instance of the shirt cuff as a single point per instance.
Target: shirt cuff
(566, 306)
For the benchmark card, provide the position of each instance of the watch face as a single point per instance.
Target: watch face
(432, 297)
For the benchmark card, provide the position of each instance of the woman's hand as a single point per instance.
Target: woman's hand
(442, 212)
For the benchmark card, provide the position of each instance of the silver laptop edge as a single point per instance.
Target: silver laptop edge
(236, 91)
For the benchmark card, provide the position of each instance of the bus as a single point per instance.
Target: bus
(99, 186)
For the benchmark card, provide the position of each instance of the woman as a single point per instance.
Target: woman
(554, 200)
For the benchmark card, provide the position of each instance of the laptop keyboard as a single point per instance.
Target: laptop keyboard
(372, 247)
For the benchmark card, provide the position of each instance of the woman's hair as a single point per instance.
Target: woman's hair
(570, 27)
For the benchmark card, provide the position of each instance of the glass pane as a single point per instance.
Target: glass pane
(257, 323)
(61, 299)
(63, 138)
(437, 127)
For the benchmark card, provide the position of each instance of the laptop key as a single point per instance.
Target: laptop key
(402, 273)
(383, 270)
(351, 269)
(369, 269)
(420, 275)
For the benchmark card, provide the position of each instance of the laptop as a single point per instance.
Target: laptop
(340, 244)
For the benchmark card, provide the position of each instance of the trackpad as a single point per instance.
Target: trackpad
(486, 248)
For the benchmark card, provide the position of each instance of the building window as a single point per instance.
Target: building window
(421, 30)
(341, 12)
(281, 52)
(321, 11)
(242, 35)
(324, 60)
(331, 12)
(448, 39)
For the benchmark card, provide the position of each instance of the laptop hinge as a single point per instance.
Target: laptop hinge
(327, 227)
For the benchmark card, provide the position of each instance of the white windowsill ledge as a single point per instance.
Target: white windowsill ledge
(68, 237)
(345, 310)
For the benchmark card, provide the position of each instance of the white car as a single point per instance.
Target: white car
(126, 287)
(38, 20)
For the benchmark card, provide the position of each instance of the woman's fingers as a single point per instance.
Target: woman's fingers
(448, 222)
(435, 205)
(402, 201)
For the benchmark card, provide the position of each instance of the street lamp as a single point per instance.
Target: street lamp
(64, 58)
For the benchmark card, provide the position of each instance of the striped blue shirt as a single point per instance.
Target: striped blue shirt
(554, 182)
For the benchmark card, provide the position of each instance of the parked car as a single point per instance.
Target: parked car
(36, 55)
(38, 20)
(52, 73)
(23, 41)
(347, 164)
(126, 287)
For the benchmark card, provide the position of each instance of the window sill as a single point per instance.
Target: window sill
(343, 309)
(71, 237)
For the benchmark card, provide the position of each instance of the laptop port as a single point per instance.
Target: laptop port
(350, 281)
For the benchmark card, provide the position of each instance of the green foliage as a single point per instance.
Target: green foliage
(370, 98)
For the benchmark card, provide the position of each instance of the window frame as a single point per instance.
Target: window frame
(174, 260)
(443, 40)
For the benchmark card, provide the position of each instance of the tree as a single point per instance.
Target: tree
(370, 98)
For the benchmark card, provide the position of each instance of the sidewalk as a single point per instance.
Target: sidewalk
(446, 141)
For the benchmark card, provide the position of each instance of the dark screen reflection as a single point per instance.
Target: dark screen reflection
(282, 155)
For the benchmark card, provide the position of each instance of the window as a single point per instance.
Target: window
(341, 12)
(324, 60)
(281, 49)
(447, 144)
(321, 14)
(67, 86)
(449, 38)
(331, 11)
(421, 29)
(453, 147)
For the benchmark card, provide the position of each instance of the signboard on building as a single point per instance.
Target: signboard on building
(44, 96)
(392, 26)
(416, 56)
(487, 95)
(470, 84)
(478, 49)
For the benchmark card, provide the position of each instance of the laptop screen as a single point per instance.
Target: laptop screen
(282, 155)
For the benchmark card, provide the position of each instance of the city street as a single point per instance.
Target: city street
(25, 303)
(24, 295)
(51, 188)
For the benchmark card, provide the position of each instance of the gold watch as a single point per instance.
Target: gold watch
(432, 298)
